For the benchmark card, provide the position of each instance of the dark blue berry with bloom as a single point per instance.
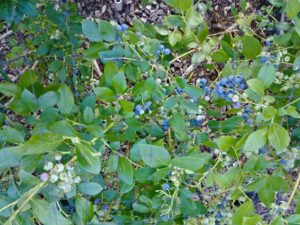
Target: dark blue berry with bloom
(122, 28)
(163, 50)
(165, 218)
(139, 110)
(263, 59)
(203, 85)
(227, 88)
(104, 207)
(165, 125)
(263, 150)
(179, 90)
(165, 186)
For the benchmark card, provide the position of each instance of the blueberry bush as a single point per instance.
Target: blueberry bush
(97, 129)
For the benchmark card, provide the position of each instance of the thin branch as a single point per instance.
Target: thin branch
(3, 36)
(97, 68)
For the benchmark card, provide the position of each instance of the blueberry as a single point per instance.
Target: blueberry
(138, 107)
(97, 201)
(148, 104)
(166, 51)
(218, 215)
(165, 186)
(268, 43)
(283, 162)
(249, 121)
(231, 77)
(223, 81)
(236, 105)
(207, 90)
(203, 81)
(161, 47)
(165, 218)
(124, 27)
(263, 150)
(237, 80)
(119, 28)
(179, 90)
(104, 207)
(263, 59)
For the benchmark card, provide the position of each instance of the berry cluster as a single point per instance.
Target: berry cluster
(165, 125)
(163, 50)
(228, 87)
(246, 114)
(64, 175)
(141, 109)
(203, 84)
(199, 118)
(122, 28)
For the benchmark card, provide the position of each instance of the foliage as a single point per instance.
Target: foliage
(132, 143)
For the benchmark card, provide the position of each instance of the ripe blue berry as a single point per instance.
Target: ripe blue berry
(124, 27)
(166, 51)
(165, 186)
(263, 59)
(165, 218)
(179, 90)
(119, 28)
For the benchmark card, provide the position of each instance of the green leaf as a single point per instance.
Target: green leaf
(256, 140)
(185, 5)
(269, 112)
(202, 32)
(220, 56)
(257, 86)
(292, 8)
(88, 115)
(267, 74)
(65, 100)
(154, 156)
(267, 195)
(251, 47)
(125, 171)
(37, 144)
(177, 122)
(107, 31)
(48, 100)
(228, 49)
(293, 219)
(140, 208)
(119, 82)
(278, 137)
(175, 37)
(90, 30)
(84, 209)
(192, 162)
(86, 159)
(192, 17)
(90, 188)
(105, 93)
(11, 135)
(245, 210)
(253, 220)
(28, 78)
(9, 89)
(27, 103)
(225, 143)
(48, 213)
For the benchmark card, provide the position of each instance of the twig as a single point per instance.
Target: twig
(294, 190)
(3, 36)
(97, 68)
(23, 70)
